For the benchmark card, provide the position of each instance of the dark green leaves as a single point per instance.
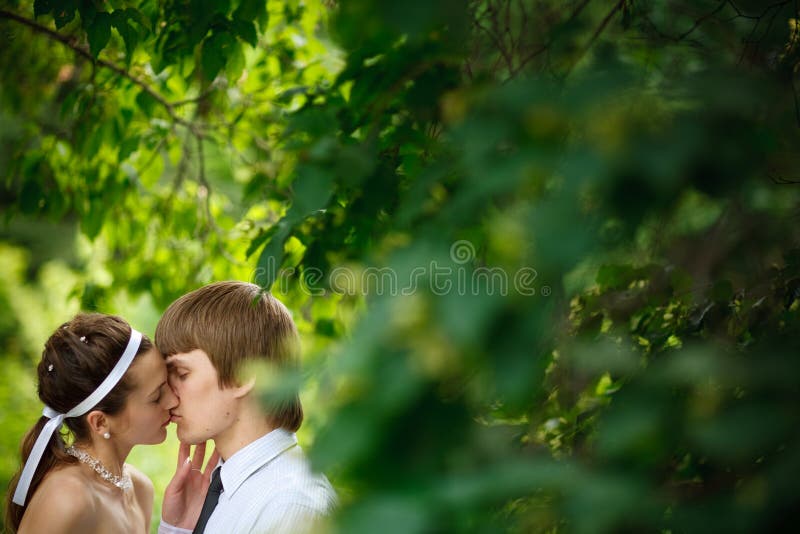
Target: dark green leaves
(271, 257)
(125, 21)
(63, 13)
(42, 7)
(221, 51)
(215, 52)
(311, 192)
(30, 196)
(245, 30)
(252, 11)
(99, 32)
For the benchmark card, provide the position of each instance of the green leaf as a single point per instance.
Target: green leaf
(260, 239)
(271, 257)
(29, 196)
(214, 54)
(87, 13)
(139, 18)
(101, 134)
(312, 189)
(128, 147)
(91, 296)
(614, 276)
(253, 11)
(119, 20)
(245, 30)
(42, 7)
(92, 220)
(236, 62)
(99, 32)
(255, 188)
(63, 14)
(131, 38)
(146, 102)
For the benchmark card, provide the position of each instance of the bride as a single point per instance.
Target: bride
(107, 384)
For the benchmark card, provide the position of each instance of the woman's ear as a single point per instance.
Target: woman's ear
(98, 422)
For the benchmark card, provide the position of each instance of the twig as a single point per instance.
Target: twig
(498, 43)
(749, 40)
(199, 98)
(701, 20)
(596, 34)
(83, 52)
(524, 61)
(780, 180)
(156, 153)
(206, 188)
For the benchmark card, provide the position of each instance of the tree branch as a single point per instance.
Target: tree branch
(83, 52)
(524, 61)
(497, 42)
(596, 34)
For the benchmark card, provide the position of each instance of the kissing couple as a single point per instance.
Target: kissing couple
(107, 388)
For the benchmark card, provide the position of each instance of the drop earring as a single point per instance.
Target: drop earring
(107, 435)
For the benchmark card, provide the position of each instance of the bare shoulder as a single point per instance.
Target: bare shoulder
(64, 502)
(70, 483)
(143, 489)
(141, 483)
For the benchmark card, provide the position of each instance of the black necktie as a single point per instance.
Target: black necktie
(214, 489)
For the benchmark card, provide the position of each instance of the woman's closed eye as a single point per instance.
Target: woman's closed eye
(160, 394)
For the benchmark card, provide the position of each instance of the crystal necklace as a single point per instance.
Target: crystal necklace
(122, 482)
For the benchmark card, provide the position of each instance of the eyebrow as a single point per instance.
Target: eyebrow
(159, 387)
(175, 360)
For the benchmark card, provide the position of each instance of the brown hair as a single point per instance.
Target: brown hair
(76, 359)
(235, 322)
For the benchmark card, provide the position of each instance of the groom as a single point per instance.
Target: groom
(263, 482)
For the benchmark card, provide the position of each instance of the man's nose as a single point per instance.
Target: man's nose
(173, 389)
(174, 400)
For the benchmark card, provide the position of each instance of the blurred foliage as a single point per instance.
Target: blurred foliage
(626, 166)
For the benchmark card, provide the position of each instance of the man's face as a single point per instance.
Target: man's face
(205, 411)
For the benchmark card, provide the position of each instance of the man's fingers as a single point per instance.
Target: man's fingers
(199, 455)
(183, 454)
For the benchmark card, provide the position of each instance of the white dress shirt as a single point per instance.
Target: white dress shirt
(268, 487)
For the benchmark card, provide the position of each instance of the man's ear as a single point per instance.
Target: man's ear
(98, 422)
(245, 388)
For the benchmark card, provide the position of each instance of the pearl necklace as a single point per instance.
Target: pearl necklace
(122, 482)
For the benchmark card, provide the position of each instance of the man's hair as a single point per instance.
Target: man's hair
(235, 323)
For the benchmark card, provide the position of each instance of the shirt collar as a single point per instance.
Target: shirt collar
(253, 457)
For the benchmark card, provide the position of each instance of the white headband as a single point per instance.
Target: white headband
(57, 419)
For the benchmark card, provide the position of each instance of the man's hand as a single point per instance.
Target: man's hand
(184, 496)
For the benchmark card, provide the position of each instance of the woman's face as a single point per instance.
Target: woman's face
(146, 414)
